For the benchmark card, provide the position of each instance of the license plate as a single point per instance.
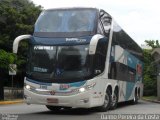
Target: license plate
(52, 100)
(43, 87)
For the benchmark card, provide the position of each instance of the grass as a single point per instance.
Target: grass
(150, 97)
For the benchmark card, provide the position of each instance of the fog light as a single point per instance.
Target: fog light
(85, 100)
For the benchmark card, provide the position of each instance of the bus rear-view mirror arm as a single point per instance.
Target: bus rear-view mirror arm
(93, 43)
(17, 41)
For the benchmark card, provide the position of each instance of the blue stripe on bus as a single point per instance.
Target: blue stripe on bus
(129, 90)
(132, 61)
(77, 84)
(40, 83)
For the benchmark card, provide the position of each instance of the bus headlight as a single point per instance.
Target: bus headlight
(28, 87)
(82, 89)
(87, 87)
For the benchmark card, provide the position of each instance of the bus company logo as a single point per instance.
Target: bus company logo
(52, 92)
(64, 86)
(75, 40)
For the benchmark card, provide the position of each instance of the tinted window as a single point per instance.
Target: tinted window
(119, 69)
(100, 55)
(106, 20)
(59, 64)
(72, 20)
(126, 42)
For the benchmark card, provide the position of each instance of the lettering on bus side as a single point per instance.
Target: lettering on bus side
(38, 69)
(75, 40)
(43, 48)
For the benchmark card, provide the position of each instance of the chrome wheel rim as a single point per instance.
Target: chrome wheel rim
(106, 100)
(134, 99)
(114, 99)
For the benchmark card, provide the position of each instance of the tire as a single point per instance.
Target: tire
(114, 101)
(107, 102)
(53, 108)
(135, 99)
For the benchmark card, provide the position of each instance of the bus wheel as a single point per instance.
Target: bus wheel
(114, 101)
(107, 102)
(135, 99)
(53, 108)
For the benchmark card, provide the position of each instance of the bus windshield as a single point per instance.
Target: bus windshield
(66, 20)
(59, 63)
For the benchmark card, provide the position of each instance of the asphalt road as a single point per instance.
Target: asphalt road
(40, 112)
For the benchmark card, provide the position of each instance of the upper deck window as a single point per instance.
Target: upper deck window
(66, 21)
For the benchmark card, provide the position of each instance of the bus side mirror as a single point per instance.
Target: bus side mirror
(93, 43)
(17, 41)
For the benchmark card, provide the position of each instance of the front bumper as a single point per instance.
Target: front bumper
(80, 100)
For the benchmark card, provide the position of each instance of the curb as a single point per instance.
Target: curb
(11, 102)
(154, 101)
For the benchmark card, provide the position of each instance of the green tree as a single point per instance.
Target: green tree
(150, 81)
(153, 43)
(149, 77)
(6, 59)
(17, 17)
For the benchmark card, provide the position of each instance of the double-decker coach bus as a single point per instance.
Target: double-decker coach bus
(80, 57)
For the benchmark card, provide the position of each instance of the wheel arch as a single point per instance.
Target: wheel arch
(135, 90)
(109, 87)
(116, 89)
(139, 91)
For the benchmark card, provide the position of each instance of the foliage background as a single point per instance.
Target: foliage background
(150, 72)
(17, 17)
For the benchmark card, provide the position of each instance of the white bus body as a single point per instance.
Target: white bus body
(110, 69)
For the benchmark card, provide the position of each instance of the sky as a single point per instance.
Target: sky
(139, 18)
